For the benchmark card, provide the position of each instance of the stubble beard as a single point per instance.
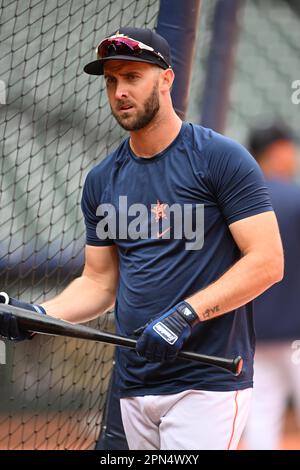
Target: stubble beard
(143, 117)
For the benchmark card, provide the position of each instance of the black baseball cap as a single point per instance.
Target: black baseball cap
(111, 48)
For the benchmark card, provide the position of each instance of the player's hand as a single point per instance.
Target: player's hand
(163, 338)
(9, 327)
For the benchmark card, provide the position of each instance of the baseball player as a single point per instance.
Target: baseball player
(180, 237)
(277, 320)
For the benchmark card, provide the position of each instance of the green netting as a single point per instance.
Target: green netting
(55, 124)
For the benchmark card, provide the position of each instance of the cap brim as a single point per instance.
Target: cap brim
(96, 67)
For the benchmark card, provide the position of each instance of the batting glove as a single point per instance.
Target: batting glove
(9, 327)
(163, 338)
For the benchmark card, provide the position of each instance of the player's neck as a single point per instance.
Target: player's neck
(157, 136)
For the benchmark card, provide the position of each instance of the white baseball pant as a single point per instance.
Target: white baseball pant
(190, 420)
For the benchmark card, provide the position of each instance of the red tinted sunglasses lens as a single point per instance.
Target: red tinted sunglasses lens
(119, 46)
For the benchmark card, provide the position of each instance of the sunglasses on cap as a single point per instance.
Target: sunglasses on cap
(123, 45)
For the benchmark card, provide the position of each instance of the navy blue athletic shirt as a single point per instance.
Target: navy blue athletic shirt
(202, 175)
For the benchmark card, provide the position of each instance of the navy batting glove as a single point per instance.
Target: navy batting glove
(163, 338)
(9, 327)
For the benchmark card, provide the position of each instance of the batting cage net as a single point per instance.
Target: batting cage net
(55, 125)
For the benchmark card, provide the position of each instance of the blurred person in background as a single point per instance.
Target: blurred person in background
(277, 311)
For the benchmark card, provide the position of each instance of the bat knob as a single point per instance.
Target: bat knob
(238, 365)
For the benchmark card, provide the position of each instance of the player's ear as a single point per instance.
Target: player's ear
(166, 79)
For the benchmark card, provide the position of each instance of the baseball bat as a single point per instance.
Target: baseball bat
(48, 325)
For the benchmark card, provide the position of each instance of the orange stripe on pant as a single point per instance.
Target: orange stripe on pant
(234, 420)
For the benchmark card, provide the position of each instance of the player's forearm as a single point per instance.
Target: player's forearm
(243, 282)
(82, 300)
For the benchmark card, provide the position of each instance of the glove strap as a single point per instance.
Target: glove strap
(187, 312)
